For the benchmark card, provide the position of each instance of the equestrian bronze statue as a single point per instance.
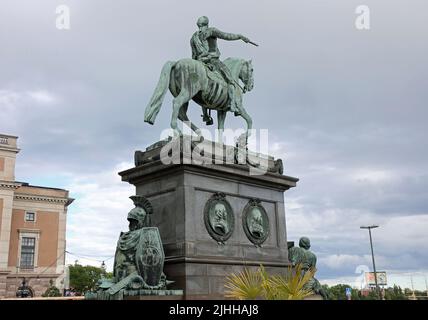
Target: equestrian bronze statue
(211, 83)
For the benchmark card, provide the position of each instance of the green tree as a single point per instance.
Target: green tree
(355, 294)
(395, 293)
(371, 295)
(52, 291)
(326, 289)
(338, 292)
(421, 294)
(85, 278)
(408, 292)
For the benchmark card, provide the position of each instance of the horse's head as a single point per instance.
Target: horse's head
(243, 70)
(246, 75)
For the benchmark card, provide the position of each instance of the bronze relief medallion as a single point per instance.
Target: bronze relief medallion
(255, 222)
(218, 217)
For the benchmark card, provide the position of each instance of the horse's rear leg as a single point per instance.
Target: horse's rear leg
(178, 102)
(221, 117)
(182, 115)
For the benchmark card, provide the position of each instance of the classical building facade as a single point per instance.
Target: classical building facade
(32, 229)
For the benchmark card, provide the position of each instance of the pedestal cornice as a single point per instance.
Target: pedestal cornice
(157, 169)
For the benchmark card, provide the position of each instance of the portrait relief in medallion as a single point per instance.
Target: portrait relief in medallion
(255, 222)
(218, 217)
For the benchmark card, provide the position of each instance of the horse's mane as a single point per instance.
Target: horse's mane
(234, 65)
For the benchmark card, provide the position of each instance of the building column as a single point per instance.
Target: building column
(6, 203)
(6, 221)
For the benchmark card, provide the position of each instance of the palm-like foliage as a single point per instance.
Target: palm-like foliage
(258, 284)
(244, 286)
(269, 289)
(292, 286)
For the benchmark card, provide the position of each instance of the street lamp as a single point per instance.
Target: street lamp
(373, 260)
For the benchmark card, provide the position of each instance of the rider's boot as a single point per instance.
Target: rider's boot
(206, 117)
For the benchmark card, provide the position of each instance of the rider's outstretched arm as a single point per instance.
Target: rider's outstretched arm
(226, 36)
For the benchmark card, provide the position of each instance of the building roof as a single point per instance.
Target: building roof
(26, 184)
(8, 136)
(29, 191)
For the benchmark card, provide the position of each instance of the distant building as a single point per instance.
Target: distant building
(32, 229)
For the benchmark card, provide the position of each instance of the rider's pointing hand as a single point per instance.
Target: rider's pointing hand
(243, 38)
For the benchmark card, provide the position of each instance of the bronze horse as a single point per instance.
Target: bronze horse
(190, 79)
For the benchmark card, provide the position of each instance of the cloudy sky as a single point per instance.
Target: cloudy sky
(345, 109)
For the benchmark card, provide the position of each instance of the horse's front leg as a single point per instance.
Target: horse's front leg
(182, 115)
(249, 122)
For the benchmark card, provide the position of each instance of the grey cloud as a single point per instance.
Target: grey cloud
(337, 102)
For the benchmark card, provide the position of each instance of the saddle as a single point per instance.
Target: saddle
(219, 80)
(215, 75)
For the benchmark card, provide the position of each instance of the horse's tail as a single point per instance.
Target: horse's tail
(155, 103)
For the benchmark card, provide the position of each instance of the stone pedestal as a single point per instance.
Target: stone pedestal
(3, 285)
(179, 193)
(157, 297)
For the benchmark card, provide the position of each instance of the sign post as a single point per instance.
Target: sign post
(348, 293)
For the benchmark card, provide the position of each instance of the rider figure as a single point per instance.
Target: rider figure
(204, 48)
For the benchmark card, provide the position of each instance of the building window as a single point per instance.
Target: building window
(30, 216)
(28, 247)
